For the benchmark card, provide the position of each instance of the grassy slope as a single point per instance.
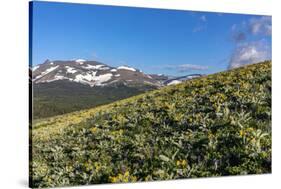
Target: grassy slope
(211, 126)
(60, 97)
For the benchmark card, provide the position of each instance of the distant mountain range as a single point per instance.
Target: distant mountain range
(94, 73)
(64, 86)
(91, 73)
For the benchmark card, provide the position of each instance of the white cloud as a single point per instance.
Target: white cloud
(249, 53)
(262, 25)
(248, 50)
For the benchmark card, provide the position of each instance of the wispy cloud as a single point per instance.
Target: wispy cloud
(94, 55)
(249, 53)
(186, 67)
(190, 67)
(255, 26)
(261, 25)
(203, 18)
(198, 29)
(201, 25)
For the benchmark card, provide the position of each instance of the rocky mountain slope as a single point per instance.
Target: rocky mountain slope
(91, 73)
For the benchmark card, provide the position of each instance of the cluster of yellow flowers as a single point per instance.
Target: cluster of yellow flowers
(92, 166)
(181, 163)
(126, 177)
(94, 129)
(244, 132)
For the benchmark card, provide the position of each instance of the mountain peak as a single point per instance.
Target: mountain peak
(47, 61)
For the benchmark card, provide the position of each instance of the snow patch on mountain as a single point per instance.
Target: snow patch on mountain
(87, 77)
(92, 79)
(80, 60)
(181, 79)
(92, 67)
(174, 82)
(46, 72)
(35, 68)
(49, 70)
(104, 68)
(56, 78)
(126, 68)
(96, 67)
(70, 69)
(61, 77)
(103, 78)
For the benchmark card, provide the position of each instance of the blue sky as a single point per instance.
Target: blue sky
(154, 40)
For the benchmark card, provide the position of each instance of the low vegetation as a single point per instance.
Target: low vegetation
(211, 126)
(60, 97)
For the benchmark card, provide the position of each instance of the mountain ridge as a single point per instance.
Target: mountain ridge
(94, 73)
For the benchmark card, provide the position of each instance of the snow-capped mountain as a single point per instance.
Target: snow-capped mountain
(90, 73)
(64, 86)
(178, 80)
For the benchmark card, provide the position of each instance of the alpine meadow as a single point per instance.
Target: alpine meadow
(215, 125)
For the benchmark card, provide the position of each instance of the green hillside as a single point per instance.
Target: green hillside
(211, 126)
(60, 97)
